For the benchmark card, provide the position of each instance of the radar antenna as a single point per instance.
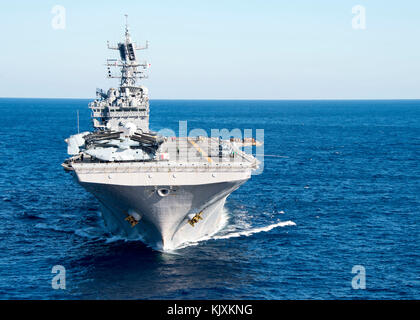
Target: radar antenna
(129, 103)
(128, 64)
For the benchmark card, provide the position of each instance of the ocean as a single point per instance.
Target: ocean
(339, 190)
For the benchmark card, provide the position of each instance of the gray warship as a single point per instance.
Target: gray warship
(164, 191)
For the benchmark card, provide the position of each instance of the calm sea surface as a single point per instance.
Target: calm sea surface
(347, 175)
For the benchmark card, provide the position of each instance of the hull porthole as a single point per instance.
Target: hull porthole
(163, 192)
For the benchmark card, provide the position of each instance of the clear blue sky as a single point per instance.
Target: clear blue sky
(218, 49)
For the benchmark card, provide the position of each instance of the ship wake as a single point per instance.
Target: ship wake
(235, 229)
(232, 225)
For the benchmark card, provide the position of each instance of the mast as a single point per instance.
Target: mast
(130, 102)
(131, 70)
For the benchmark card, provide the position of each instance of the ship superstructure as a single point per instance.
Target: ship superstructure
(162, 190)
(130, 102)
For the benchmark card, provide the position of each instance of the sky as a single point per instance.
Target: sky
(218, 49)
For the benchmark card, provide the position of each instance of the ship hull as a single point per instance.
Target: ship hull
(163, 214)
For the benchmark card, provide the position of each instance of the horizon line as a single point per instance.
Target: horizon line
(237, 99)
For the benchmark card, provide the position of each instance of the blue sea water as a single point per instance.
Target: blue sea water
(347, 177)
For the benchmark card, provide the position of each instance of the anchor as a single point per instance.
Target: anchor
(195, 219)
(133, 218)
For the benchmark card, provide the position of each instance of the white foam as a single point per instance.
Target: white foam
(89, 233)
(236, 234)
(239, 228)
(224, 220)
(247, 233)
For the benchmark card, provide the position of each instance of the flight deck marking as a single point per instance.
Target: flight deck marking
(201, 151)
